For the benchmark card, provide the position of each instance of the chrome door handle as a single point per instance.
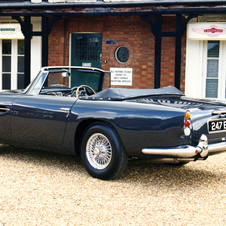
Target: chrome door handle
(4, 109)
(65, 109)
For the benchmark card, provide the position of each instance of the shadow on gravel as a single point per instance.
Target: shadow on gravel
(167, 176)
(37, 157)
(136, 172)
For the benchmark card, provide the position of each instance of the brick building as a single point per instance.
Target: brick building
(149, 37)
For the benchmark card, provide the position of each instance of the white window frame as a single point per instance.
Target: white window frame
(221, 70)
(196, 69)
(14, 63)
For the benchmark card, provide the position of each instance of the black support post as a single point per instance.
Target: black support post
(26, 30)
(45, 34)
(46, 29)
(28, 33)
(156, 28)
(27, 49)
(158, 48)
(178, 50)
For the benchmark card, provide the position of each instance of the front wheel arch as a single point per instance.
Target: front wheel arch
(102, 152)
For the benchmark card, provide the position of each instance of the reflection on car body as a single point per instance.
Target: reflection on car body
(66, 110)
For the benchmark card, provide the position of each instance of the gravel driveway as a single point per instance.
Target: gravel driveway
(39, 188)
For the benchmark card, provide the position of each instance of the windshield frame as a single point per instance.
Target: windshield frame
(43, 73)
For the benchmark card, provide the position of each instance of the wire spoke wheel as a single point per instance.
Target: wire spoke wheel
(102, 152)
(98, 151)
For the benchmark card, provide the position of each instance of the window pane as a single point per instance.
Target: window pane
(212, 68)
(6, 63)
(87, 48)
(6, 81)
(21, 64)
(122, 54)
(20, 81)
(6, 46)
(213, 49)
(20, 47)
(39, 83)
(211, 88)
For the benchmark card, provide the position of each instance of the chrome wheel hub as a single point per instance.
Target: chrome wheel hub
(98, 151)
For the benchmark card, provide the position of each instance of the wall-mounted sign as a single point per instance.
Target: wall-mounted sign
(121, 76)
(110, 42)
(206, 31)
(86, 64)
(10, 31)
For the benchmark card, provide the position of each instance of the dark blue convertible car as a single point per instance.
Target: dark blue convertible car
(65, 110)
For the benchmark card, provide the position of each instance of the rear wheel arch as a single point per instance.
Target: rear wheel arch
(83, 127)
(102, 152)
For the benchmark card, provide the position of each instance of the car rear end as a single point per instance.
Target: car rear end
(204, 126)
(211, 123)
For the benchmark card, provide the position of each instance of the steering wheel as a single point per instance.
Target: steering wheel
(77, 90)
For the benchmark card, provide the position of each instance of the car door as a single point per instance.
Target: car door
(5, 116)
(40, 118)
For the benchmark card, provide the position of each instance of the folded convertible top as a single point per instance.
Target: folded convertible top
(122, 94)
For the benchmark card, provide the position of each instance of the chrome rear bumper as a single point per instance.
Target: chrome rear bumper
(201, 150)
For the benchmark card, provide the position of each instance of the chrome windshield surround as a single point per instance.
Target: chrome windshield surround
(35, 86)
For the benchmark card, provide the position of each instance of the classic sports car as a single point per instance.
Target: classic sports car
(65, 110)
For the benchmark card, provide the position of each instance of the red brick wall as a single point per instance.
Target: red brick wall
(131, 31)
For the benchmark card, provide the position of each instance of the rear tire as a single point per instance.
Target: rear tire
(102, 152)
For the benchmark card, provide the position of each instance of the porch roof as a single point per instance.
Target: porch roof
(25, 4)
(109, 7)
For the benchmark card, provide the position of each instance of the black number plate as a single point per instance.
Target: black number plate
(217, 126)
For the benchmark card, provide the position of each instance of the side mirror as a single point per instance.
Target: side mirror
(65, 74)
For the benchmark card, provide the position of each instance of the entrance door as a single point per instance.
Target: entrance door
(86, 50)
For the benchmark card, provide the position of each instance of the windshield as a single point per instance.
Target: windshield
(93, 79)
(72, 78)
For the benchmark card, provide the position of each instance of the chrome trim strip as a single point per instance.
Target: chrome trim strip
(65, 109)
(188, 151)
(219, 112)
(72, 67)
(217, 148)
(4, 109)
(177, 152)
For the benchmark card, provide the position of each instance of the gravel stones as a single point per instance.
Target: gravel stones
(40, 188)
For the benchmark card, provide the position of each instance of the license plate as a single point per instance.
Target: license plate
(217, 126)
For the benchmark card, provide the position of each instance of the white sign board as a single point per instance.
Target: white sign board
(10, 31)
(121, 76)
(206, 31)
(86, 64)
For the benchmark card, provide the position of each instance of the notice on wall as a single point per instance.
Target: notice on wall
(121, 76)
